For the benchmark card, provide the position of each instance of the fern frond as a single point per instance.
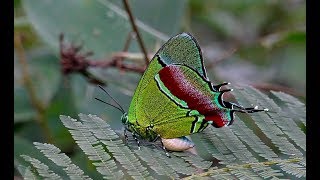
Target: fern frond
(91, 147)
(294, 169)
(288, 124)
(250, 139)
(127, 159)
(239, 151)
(244, 174)
(42, 169)
(27, 173)
(246, 135)
(160, 167)
(177, 164)
(296, 108)
(234, 145)
(270, 123)
(119, 150)
(221, 175)
(100, 129)
(194, 160)
(265, 171)
(216, 147)
(54, 154)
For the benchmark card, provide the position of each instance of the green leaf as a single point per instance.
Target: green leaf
(44, 73)
(62, 102)
(42, 169)
(102, 25)
(84, 94)
(23, 146)
(88, 143)
(54, 154)
(23, 110)
(153, 16)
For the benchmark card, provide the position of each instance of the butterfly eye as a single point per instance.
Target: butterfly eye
(124, 118)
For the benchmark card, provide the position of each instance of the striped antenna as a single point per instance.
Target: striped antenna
(119, 106)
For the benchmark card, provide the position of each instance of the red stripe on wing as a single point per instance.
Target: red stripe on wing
(174, 78)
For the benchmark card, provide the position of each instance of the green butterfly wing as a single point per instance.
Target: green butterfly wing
(180, 49)
(154, 107)
(169, 116)
(174, 97)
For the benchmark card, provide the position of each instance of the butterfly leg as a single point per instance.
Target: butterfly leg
(165, 150)
(163, 147)
(136, 139)
(125, 135)
(155, 139)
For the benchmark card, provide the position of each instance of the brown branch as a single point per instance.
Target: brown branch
(134, 27)
(35, 101)
(74, 61)
(128, 41)
(114, 63)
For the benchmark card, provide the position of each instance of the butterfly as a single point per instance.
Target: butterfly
(175, 98)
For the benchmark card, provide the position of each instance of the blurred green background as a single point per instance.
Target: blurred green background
(261, 43)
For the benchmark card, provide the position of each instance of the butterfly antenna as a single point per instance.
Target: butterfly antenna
(110, 105)
(119, 106)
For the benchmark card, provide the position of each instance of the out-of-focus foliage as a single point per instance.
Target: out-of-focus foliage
(270, 35)
(269, 38)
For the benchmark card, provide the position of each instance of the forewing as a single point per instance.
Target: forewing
(183, 49)
(180, 49)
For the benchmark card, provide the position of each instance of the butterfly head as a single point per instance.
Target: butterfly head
(124, 118)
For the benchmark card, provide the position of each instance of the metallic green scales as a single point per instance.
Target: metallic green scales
(151, 107)
(183, 49)
(167, 92)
